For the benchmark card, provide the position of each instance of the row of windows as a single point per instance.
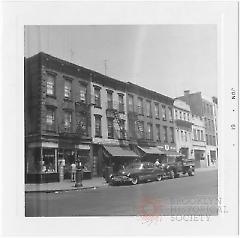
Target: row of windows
(198, 135)
(67, 121)
(209, 124)
(183, 135)
(207, 108)
(210, 140)
(140, 108)
(51, 88)
(182, 115)
(149, 132)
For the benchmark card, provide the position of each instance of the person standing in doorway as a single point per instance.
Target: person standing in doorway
(73, 171)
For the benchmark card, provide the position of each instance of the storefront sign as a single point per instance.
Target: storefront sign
(109, 141)
(167, 147)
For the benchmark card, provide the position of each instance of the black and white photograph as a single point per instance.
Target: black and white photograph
(120, 118)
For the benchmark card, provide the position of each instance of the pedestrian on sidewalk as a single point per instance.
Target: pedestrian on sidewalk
(73, 172)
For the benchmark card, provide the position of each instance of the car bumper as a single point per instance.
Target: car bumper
(121, 179)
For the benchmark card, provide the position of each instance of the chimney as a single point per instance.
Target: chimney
(186, 92)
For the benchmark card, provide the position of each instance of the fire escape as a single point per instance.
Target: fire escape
(114, 111)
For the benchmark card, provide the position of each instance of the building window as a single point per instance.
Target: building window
(67, 89)
(158, 133)
(130, 103)
(67, 121)
(165, 135)
(109, 99)
(83, 93)
(97, 96)
(98, 126)
(81, 123)
(156, 110)
(50, 85)
(140, 106)
(149, 131)
(171, 135)
(148, 107)
(194, 134)
(202, 139)
(170, 114)
(121, 102)
(164, 113)
(198, 135)
(214, 140)
(110, 127)
(185, 136)
(207, 142)
(188, 117)
(50, 119)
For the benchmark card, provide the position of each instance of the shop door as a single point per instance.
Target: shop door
(197, 156)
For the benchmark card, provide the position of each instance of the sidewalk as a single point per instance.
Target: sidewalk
(66, 185)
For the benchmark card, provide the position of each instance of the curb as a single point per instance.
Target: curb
(63, 190)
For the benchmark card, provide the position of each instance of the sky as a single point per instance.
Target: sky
(165, 58)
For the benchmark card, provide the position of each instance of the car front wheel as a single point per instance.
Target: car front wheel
(134, 180)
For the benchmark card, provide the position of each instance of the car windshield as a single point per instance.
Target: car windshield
(134, 166)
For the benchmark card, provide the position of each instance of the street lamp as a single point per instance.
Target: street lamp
(78, 182)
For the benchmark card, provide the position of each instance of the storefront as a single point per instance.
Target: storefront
(116, 158)
(41, 162)
(150, 154)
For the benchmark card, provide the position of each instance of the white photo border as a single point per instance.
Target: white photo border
(18, 14)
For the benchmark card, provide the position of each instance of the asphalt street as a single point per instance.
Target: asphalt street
(186, 195)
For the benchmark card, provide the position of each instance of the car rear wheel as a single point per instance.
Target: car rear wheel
(134, 180)
(159, 177)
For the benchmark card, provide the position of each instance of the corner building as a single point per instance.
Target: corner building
(57, 117)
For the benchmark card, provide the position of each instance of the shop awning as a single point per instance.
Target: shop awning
(172, 153)
(151, 150)
(119, 151)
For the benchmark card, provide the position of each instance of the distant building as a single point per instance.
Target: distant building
(151, 126)
(202, 106)
(183, 123)
(199, 142)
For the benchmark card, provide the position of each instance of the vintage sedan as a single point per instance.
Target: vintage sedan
(136, 172)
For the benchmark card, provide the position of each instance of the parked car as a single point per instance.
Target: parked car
(174, 166)
(136, 172)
